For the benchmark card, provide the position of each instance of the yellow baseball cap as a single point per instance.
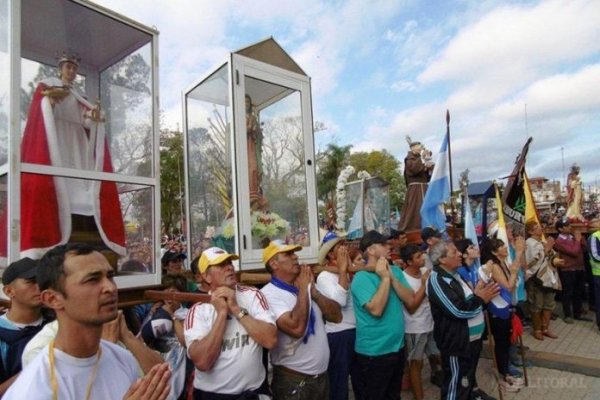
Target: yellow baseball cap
(214, 256)
(276, 247)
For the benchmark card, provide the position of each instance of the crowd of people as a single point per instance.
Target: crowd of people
(372, 314)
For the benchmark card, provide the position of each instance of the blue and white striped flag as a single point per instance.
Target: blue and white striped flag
(470, 232)
(438, 192)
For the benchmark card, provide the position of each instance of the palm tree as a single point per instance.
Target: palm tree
(330, 164)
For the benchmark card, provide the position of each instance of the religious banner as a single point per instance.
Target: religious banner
(514, 193)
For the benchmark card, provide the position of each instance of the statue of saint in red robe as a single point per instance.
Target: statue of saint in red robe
(65, 130)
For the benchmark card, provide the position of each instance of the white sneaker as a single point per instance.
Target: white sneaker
(515, 381)
(509, 387)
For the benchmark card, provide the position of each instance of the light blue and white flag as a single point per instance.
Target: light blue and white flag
(438, 192)
(470, 232)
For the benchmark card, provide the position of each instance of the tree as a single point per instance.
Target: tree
(329, 165)
(384, 165)
(44, 72)
(126, 97)
(172, 192)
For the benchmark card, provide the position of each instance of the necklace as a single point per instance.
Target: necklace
(54, 381)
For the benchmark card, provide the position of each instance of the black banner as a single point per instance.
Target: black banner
(514, 192)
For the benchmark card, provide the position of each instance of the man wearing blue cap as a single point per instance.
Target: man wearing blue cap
(22, 321)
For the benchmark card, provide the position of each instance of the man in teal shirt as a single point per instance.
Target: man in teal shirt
(377, 298)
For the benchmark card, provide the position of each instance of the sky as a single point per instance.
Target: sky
(382, 70)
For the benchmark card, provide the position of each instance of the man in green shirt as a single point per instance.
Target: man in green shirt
(378, 299)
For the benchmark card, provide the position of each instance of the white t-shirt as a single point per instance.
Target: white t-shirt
(421, 321)
(428, 263)
(239, 366)
(309, 358)
(117, 371)
(38, 342)
(328, 285)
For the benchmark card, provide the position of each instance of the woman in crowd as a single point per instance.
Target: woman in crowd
(500, 308)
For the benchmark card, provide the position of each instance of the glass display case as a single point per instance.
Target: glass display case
(368, 207)
(79, 163)
(483, 206)
(250, 156)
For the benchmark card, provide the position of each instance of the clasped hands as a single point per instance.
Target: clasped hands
(224, 301)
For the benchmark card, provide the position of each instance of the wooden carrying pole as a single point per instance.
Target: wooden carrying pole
(177, 296)
(492, 349)
(452, 208)
(523, 360)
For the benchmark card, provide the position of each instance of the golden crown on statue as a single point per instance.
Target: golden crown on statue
(72, 57)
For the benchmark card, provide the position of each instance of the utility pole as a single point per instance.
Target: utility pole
(526, 123)
(562, 155)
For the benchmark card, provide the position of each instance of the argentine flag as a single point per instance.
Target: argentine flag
(438, 192)
(470, 232)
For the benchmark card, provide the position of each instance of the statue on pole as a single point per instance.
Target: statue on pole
(574, 195)
(418, 167)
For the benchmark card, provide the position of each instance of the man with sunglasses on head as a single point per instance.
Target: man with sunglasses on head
(225, 338)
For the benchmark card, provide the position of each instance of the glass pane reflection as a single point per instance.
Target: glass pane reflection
(118, 219)
(209, 163)
(4, 80)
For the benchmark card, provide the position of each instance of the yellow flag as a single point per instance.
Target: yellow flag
(530, 210)
(502, 234)
(501, 223)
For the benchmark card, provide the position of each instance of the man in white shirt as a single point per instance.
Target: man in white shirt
(226, 337)
(418, 322)
(301, 356)
(341, 336)
(77, 283)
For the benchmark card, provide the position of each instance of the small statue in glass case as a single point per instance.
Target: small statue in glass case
(255, 140)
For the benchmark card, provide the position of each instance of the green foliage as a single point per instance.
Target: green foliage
(44, 72)
(384, 165)
(172, 192)
(330, 164)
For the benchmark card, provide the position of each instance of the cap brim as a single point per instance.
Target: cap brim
(29, 274)
(285, 249)
(224, 257)
(180, 256)
(32, 273)
(289, 247)
(326, 248)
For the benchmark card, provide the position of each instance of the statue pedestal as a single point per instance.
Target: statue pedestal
(84, 230)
